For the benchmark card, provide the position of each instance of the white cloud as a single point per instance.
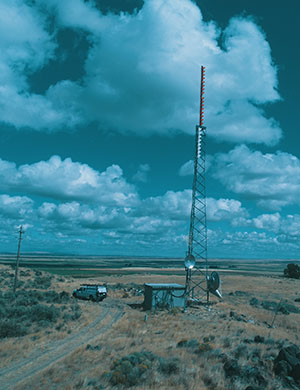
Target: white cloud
(65, 179)
(75, 215)
(224, 209)
(142, 173)
(253, 243)
(161, 49)
(278, 235)
(172, 205)
(287, 225)
(162, 215)
(267, 221)
(187, 168)
(25, 47)
(142, 72)
(75, 14)
(177, 206)
(271, 179)
(15, 207)
(103, 199)
(24, 41)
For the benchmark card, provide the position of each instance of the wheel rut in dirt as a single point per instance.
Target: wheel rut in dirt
(40, 360)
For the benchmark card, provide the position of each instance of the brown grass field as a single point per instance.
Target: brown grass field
(189, 349)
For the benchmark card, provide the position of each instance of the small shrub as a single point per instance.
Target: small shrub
(54, 297)
(231, 368)
(185, 343)
(19, 313)
(240, 351)
(132, 369)
(217, 354)
(209, 381)
(254, 301)
(44, 313)
(259, 339)
(182, 343)
(253, 374)
(204, 347)
(42, 282)
(255, 355)
(11, 328)
(93, 347)
(281, 307)
(174, 311)
(270, 341)
(169, 366)
(226, 342)
(24, 273)
(208, 338)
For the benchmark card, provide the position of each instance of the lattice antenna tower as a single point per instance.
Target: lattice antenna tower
(198, 283)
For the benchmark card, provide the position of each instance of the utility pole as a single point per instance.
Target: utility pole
(21, 231)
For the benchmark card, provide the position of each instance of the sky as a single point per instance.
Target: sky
(98, 106)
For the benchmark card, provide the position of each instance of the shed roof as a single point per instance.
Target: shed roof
(165, 286)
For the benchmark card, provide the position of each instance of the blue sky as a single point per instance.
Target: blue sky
(98, 106)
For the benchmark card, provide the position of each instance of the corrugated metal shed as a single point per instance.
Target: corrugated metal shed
(161, 295)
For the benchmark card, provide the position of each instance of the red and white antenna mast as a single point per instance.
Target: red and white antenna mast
(198, 283)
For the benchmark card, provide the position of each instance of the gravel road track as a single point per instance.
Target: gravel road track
(39, 360)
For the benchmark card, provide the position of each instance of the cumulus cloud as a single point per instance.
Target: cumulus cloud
(224, 209)
(187, 168)
(253, 243)
(77, 14)
(85, 216)
(160, 215)
(100, 199)
(172, 205)
(142, 72)
(142, 173)
(282, 231)
(65, 179)
(288, 225)
(15, 207)
(271, 179)
(26, 46)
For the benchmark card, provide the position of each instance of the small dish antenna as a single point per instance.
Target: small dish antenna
(213, 284)
(189, 262)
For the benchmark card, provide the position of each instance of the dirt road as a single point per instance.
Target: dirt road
(39, 360)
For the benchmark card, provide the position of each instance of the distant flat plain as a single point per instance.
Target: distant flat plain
(91, 266)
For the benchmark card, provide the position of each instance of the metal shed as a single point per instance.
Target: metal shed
(163, 295)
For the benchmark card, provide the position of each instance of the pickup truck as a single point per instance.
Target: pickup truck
(93, 292)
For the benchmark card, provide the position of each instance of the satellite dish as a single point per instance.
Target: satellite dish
(189, 261)
(213, 284)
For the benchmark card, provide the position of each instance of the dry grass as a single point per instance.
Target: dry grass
(90, 367)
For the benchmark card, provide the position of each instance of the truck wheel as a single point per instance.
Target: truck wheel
(75, 295)
(92, 298)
